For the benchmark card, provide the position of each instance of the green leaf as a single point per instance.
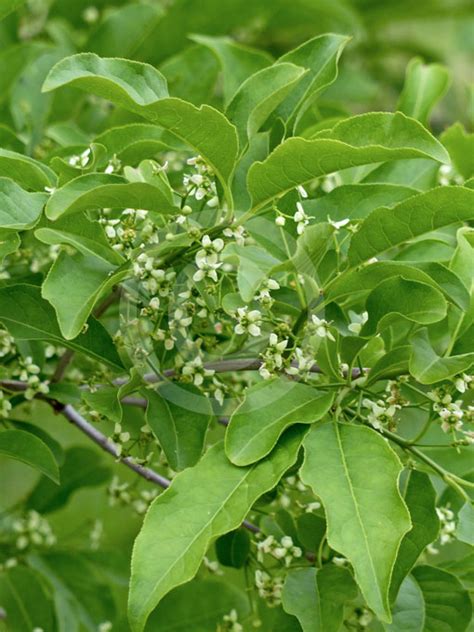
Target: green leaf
(53, 445)
(356, 201)
(367, 518)
(391, 365)
(311, 530)
(232, 549)
(82, 468)
(386, 228)
(18, 209)
(25, 599)
(27, 172)
(122, 30)
(320, 56)
(311, 247)
(395, 297)
(133, 143)
(9, 242)
(462, 261)
(408, 612)
(267, 410)
(465, 527)
(360, 140)
(142, 89)
(460, 146)
(258, 97)
(201, 603)
(7, 6)
(30, 317)
(192, 74)
(424, 86)
(27, 448)
(86, 236)
(420, 498)
(79, 605)
(353, 285)
(317, 597)
(91, 278)
(179, 417)
(182, 522)
(238, 62)
(447, 604)
(95, 190)
(428, 367)
(253, 267)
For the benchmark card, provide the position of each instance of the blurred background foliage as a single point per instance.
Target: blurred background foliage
(386, 35)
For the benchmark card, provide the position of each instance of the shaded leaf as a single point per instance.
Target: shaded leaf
(420, 498)
(447, 604)
(82, 468)
(258, 97)
(465, 527)
(317, 597)
(30, 317)
(424, 86)
(18, 209)
(29, 449)
(428, 367)
(395, 297)
(179, 417)
(201, 603)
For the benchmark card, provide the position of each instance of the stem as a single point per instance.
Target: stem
(448, 477)
(423, 430)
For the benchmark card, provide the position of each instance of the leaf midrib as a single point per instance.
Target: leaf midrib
(357, 513)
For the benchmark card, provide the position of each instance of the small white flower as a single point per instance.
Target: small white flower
(339, 224)
(357, 321)
(248, 321)
(280, 220)
(302, 191)
(321, 328)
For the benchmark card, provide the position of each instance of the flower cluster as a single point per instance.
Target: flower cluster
(301, 219)
(207, 259)
(33, 530)
(269, 588)
(320, 327)
(130, 229)
(381, 415)
(447, 525)
(125, 495)
(81, 160)
(248, 321)
(28, 372)
(5, 405)
(119, 438)
(284, 549)
(272, 356)
(450, 413)
(230, 623)
(7, 343)
(200, 184)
